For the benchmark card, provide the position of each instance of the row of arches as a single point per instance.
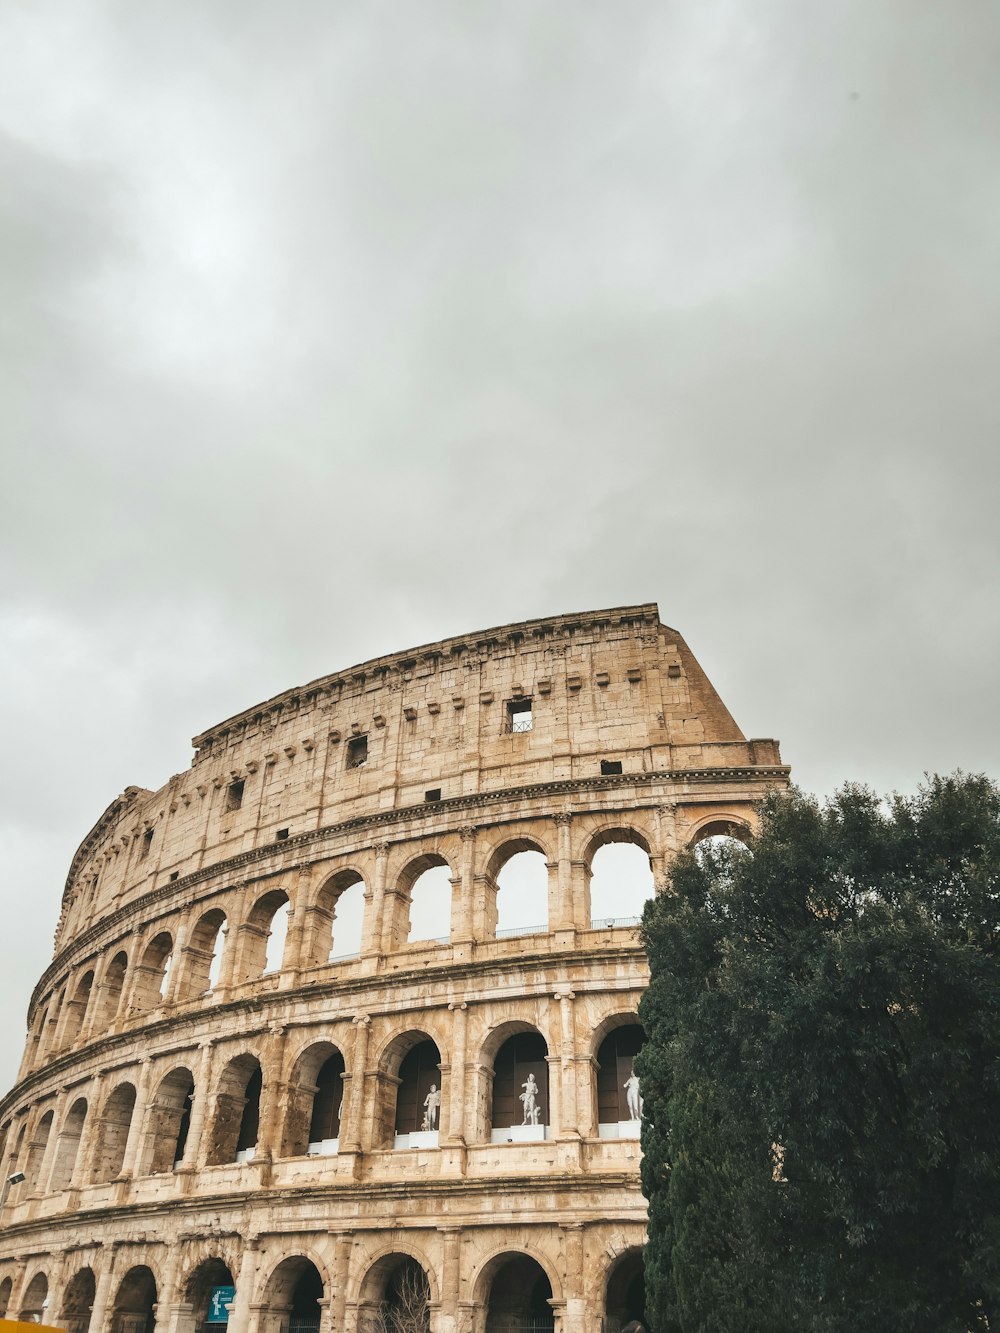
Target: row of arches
(405, 1095)
(514, 1294)
(214, 950)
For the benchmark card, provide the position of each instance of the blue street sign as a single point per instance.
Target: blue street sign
(218, 1305)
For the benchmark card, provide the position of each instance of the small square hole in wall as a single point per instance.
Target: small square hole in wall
(174, 874)
(281, 835)
(433, 795)
(519, 715)
(234, 794)
(357, 751)
(609, 767)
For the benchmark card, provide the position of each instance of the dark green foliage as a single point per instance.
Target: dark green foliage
(834, 991)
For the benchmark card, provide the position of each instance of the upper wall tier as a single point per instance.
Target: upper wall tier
(539, 702)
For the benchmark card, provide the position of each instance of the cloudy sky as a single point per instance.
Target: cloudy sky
(329, 330)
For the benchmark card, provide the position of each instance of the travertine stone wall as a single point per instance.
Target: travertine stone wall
(274, 810)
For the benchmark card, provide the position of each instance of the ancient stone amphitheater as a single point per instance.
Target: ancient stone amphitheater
(339, 1027)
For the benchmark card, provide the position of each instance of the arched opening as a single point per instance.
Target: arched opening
(37, 1038)
(209, 1293)
(621, 879)
(152, 973)
(237, 1112)
(36, 1153)
(430, 902)
(519, 1297)
(109, 993)
(348, 921)
(409, 1092)
(335, 920)
(77, 1301)
(264, 934)
(520, 1099)
(35, 1300)
(169, 1120)
(397, 1297)
(112, 1134)
(6, 1287)
(78, 1010)
(625, 1300)
(134, 1301)
(619, 1103)
(292, 1297)
(315, 1093)
(522, 895)
(722, 841)
(203, 953)
(15, 1158)
(68, 1146)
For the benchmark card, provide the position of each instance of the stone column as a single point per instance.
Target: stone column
(176, 979)
(665, 823)
(273, 1095)
(88, 1139)
(133, 977)
(195, 1149)
(463, 907)
(447, 1320)
(455, 1130)
(102, 1296)
(343, 1245)
(138, 1122)
(569, 1121)
(239, 1315)
(371, 938)
(228, 968)
(296, 941)
(166, 1291)
(574, 1280)
(561, 916)
(354, 1092)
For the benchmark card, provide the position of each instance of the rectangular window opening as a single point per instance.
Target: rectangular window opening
(147, 842)
(433, 795)
(281, 835)
(519, 715)
(234, 794)
(174, 874)
(357, 751)
(609, 767)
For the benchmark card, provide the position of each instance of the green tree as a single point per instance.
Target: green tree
(821, 1079)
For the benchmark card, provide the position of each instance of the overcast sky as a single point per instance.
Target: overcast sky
(329, 330)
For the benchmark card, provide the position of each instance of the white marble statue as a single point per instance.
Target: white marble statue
(528, 1098)
(631, 1086)
(432, 1105)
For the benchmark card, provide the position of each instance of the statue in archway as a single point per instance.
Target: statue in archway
(432, 1105)
(528, 1098)
(631, 1086)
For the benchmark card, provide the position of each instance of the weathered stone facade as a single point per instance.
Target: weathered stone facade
(178, 1116)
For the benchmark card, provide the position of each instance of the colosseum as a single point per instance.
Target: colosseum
(339, 1027)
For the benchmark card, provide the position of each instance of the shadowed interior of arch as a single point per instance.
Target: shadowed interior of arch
(519, 1298)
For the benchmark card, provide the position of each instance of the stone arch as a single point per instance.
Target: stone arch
(207, 1273)
(380, 1286)
(514, 1289)
(718, 826)
(625, 1291)
(68, 1146)
(619, 875)
(315, 1096)
(77, 1009)
(112, 1133)
(15, 1152)
(341, 899)
(35, 1300)
(423, 901)
(263, 934)
(38, 1034)
(77, 1301)
(615, 1044)
(37, 1147)
(237, 1111)
(6, 1287)
(169, 1121)
(292, 1295)
(519, 885)
(109, 990)
(406, 1067)
(203, 953)
(152, 973)
(511, 1051)
(135, 1301)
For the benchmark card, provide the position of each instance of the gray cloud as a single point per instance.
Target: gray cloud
(330, 331)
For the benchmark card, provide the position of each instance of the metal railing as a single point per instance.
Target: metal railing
(611, 922)
(521, 930)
